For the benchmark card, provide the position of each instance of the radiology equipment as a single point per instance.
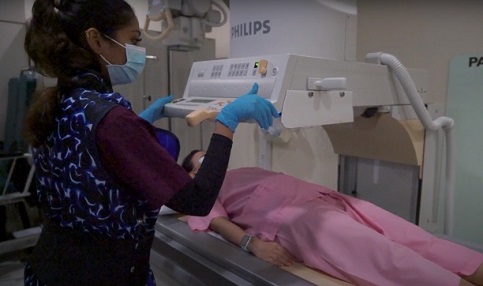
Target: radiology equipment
(302, 56)
(184, 22)
(311, 91)
(325, 91)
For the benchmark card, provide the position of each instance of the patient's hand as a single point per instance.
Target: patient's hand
(271, 252)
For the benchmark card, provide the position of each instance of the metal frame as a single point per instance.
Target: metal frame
(9, 198)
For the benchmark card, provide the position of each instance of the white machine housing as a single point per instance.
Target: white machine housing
(308, 91)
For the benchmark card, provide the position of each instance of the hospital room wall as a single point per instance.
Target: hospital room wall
(428, 35)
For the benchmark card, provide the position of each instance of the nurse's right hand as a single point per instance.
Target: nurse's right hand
(247, 107)
(155, 110)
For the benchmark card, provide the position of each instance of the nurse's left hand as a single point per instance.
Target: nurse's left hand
(155, 110)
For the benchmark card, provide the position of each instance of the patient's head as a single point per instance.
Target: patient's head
(192, 162)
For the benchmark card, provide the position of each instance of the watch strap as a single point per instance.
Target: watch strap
(245, 241)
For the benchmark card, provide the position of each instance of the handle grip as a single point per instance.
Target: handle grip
(200, 115)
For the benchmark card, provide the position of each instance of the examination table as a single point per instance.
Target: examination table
(198, 258)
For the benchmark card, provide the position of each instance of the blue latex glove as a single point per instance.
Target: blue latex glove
(249, 106)
(155, 110)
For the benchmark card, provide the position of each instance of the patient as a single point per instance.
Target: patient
(282, 219)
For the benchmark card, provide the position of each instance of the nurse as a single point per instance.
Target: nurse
(99, 191)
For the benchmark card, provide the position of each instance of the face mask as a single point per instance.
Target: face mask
(128, 72)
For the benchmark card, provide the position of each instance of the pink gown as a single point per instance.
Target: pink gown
(342, 236)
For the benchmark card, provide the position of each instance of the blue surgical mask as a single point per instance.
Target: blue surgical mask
(130, 71)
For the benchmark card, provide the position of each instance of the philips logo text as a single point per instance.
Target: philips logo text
(250, 28)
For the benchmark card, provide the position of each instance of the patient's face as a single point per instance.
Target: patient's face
(196, 162)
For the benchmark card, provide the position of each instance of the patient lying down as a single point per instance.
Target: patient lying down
(282, 219)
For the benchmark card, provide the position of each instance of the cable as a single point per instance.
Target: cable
(443, 122)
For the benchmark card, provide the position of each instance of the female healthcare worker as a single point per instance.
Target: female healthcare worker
(99, 190)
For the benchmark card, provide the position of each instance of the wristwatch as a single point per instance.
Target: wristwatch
(245, 241)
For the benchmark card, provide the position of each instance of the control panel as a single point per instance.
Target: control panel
(213, 84)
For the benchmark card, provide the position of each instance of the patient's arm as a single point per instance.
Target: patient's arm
(269, 251)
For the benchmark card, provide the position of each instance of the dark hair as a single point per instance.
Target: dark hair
(187, 164)
(56, 42)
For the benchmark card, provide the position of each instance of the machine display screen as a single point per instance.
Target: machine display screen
(256, 64)
(201, 100)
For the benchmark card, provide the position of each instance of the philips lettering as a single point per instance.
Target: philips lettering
(250, 28)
